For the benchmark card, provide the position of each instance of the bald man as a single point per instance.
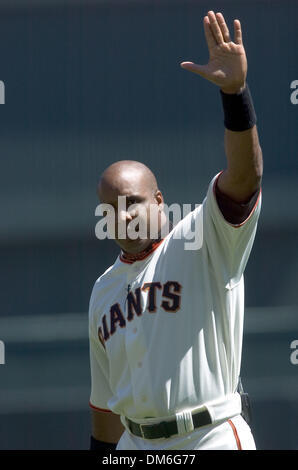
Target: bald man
(136, 182)
(165, 323)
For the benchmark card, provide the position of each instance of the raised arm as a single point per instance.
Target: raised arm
(227, 68)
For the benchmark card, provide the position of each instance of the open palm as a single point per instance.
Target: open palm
(227, 66)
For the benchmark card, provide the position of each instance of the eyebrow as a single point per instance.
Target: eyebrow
(135, 196)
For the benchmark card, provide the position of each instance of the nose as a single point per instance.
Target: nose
(126, 216)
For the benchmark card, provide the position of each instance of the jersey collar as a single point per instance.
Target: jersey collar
(131, 258)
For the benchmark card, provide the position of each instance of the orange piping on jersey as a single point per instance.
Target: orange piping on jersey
(235, 434)
(252, 211)
(130, 258)
(125, 260)
(99, 409)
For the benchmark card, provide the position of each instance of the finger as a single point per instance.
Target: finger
(237, 32)
(215, 28)
(195, 68)
(210, 39)
(223, 27)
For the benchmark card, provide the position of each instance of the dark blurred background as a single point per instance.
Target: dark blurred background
(91, 82)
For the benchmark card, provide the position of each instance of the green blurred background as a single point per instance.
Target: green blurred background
(91, 82)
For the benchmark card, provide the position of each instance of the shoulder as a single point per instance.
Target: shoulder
(107, 274)
(101, 283)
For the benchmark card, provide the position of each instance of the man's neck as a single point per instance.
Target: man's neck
(151, 247)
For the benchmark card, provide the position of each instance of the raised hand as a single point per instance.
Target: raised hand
(227, 66)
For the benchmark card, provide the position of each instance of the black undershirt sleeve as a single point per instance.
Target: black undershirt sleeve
(235, 212)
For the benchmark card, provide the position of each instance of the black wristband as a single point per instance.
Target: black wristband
(101, 446)
(239, 113)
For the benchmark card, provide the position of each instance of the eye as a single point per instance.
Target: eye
(131, 201)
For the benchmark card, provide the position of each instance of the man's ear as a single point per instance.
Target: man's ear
(159, 198)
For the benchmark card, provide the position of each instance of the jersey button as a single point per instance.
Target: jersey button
(134, 330)
(140, 364)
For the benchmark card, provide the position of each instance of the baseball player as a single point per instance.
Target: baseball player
(165, 323)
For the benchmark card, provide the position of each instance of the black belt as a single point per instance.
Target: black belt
(166, 429)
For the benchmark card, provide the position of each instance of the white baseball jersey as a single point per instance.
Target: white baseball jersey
(166, 331)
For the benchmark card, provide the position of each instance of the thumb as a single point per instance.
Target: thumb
(195, 68)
